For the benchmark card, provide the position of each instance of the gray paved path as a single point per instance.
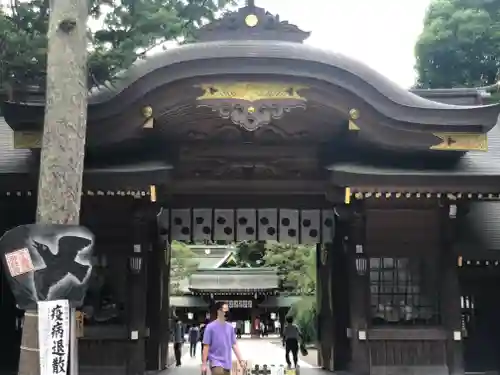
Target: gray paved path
(256, 351)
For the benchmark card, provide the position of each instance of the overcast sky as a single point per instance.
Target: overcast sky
(381, 33)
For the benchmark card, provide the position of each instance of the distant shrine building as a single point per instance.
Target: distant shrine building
(254, 295)
(250, 134)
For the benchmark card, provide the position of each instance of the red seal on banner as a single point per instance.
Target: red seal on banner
(19, 262)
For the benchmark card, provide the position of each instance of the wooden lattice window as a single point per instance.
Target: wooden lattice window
(403, 292)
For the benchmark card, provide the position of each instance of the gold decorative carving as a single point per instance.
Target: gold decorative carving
(252, 105)
(27, 140)
(461, 142)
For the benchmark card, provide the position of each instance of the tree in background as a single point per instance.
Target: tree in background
(120, 32)
(305, 316)
(182, 266)
(250, 253)
(295, 264)
(460, 44)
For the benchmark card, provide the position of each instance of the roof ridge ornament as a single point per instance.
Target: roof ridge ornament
(251, 23)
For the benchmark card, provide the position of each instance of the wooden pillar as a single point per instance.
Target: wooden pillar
(137, 281)
(340, 289)
(358, 294)
(450, 292)
(165, 320)
(154, 294)
(325, 308)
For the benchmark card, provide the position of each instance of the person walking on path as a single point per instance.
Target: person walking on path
(219, 341)
(194, 336)
(291, 337)
(178, 342)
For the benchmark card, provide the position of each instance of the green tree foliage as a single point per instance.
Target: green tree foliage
(182, 265)
(250, 253)
(460, 44)
(305, 316)
(120, 32)
(296, 265)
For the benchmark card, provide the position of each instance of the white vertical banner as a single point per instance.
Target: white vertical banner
(53, 336)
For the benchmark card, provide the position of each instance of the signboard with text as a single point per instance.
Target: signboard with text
(53, 336)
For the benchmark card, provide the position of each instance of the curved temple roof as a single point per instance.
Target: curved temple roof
(252, 45)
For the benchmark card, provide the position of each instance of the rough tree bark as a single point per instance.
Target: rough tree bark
(61, 165)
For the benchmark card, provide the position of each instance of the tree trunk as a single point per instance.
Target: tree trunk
(61, 166)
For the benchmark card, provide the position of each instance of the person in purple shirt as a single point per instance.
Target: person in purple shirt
(219, 340)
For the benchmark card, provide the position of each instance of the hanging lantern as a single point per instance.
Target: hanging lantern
(361, 261)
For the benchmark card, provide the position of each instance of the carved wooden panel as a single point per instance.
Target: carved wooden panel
(236, 160)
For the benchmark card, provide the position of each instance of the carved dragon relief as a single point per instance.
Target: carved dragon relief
(251, 105)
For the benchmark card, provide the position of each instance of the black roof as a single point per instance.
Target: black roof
(464, 170)
(19, 169)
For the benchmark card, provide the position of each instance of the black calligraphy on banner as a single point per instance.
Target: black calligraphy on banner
(57, 334)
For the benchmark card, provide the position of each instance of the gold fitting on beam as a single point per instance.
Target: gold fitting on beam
(347, 199)
(461, 142)
(354, 114)
(147, 112)
(353, 126)
(152, 193)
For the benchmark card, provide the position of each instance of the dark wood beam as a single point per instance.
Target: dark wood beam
(245, 187)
